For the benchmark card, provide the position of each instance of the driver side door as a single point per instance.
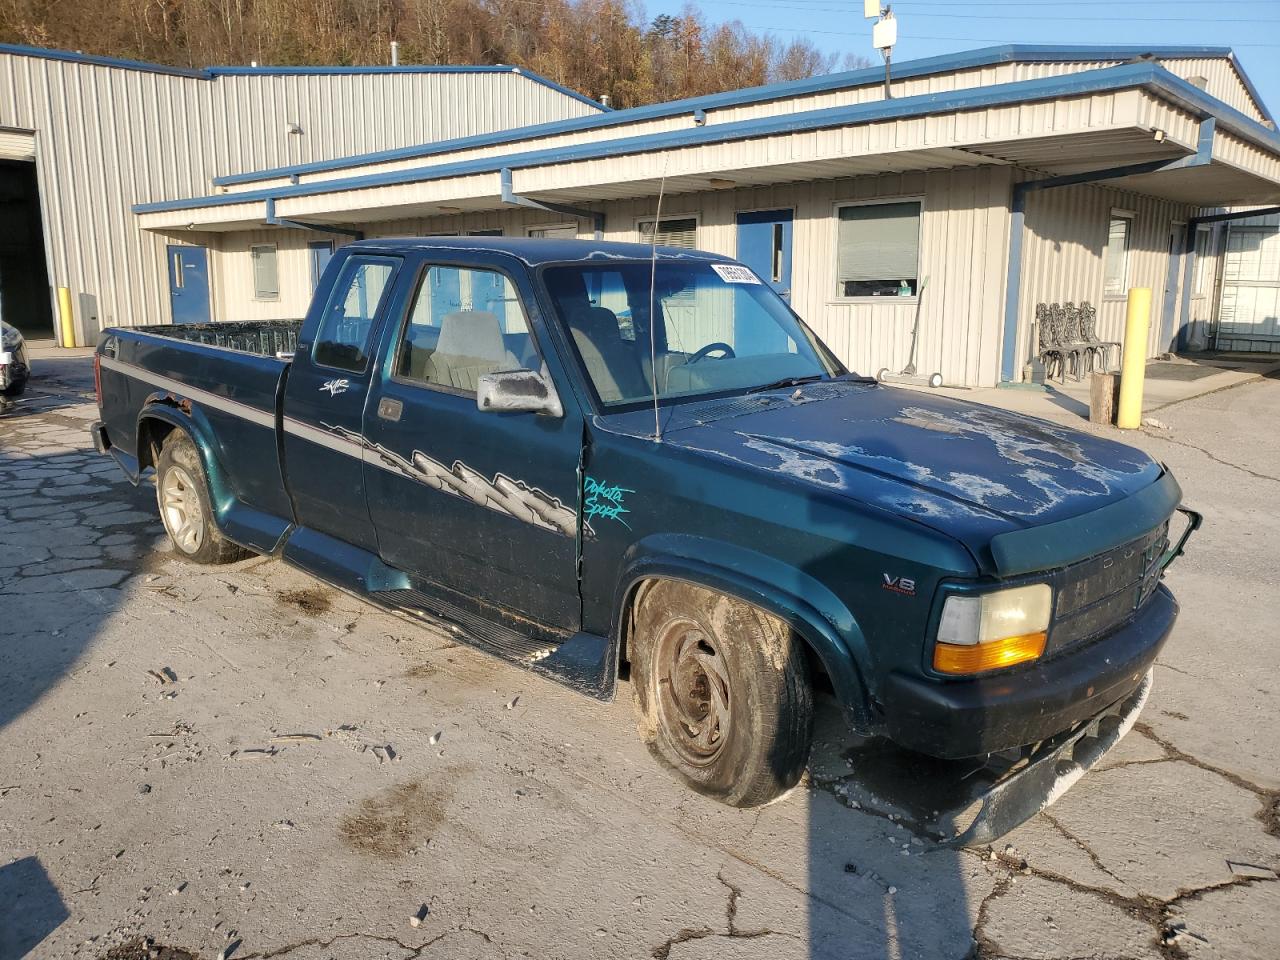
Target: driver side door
(481, 505)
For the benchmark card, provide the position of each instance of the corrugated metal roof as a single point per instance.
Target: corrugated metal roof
(1147, 75)
(927, 66)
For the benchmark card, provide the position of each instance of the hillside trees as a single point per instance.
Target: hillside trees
(599, 47)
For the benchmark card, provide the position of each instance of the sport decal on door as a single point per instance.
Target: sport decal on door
(335, 387)
(502, 494)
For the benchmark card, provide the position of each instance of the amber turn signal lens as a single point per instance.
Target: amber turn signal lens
(980, 657)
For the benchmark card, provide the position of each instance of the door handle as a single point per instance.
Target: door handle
(390, 408)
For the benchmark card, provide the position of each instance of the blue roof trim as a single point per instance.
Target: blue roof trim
(70, 56)
(212, 73)
(1108, 79)
(925, 66)
(561, 88)
(345, 71)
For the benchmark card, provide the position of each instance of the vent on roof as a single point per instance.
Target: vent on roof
(1201, 82)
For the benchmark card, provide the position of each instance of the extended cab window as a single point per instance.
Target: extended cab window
(342, 340)
(464, 322)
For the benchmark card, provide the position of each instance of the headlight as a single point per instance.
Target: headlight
(992, 630)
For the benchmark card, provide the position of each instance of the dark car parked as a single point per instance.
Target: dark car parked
(600, 460)
(15, 367)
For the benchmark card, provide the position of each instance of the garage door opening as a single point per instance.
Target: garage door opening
(24, 278)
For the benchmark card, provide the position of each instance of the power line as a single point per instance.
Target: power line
(795, 5)
(919, 36)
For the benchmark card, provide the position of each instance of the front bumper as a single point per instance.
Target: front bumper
(973, 718)
(1049, 772)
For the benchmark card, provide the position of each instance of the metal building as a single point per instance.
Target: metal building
(83, 139)
(991, 182)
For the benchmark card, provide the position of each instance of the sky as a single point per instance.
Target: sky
(930, 27)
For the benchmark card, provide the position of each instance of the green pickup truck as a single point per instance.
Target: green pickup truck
(607, 461)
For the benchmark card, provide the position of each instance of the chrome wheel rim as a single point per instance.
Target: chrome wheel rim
(695, 700)
(181, 509)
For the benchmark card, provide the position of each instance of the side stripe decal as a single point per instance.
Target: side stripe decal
(218, 402)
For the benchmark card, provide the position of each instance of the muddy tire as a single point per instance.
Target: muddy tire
(182, 494)
(722, 693)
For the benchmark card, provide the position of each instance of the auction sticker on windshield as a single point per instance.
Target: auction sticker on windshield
(734, 273)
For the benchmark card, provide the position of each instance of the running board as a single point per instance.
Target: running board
(583, 661)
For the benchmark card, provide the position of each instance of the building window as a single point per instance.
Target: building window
(266, 279)
(878, 250)
(676, 232)
(564, 231)
(1116, 257)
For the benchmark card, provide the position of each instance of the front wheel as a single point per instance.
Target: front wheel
(185, 508)
(722, 692)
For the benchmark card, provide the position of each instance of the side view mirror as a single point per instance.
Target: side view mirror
(518, 391)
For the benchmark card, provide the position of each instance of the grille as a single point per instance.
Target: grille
(1102, 592)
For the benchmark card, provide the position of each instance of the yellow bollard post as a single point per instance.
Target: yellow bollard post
(65, 322)
(1133, 362)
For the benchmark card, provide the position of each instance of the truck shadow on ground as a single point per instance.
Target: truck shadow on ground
(74, 531)
(30, 907)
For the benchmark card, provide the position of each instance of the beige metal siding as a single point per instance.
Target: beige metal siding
(231, 267)
(17, 145)
(1222, 81)
(107, 138)
(964, 236)
(345, 114)
(99, 149)
(1066, 233)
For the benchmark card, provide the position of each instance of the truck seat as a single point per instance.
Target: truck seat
(470, 346)
(613, 363)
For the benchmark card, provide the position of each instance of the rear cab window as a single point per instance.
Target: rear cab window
(345, 331)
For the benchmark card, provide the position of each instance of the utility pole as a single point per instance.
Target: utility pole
(884, 34)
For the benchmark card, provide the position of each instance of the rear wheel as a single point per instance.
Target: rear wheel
(186, 510)
(722, 692)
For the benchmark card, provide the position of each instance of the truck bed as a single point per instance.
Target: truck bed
(263, 337)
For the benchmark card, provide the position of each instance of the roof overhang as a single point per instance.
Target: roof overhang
(1095, 120)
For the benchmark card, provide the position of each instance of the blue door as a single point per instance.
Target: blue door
(321, 252)
(764, 245)
(189, 284)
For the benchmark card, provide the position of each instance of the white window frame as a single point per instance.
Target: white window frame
(649, 218)
(1118, 213)
(835, 248)
(568, 224)
(253, 270)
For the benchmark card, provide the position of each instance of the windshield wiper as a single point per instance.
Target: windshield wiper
(786, 382)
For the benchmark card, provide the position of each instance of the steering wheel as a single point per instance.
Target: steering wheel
(723, 348)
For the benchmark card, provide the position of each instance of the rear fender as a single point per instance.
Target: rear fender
(161, 409)
(804, 604)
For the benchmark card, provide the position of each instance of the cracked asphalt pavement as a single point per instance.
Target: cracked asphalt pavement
(238, 762)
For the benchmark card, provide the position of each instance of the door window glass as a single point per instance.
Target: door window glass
(464, 323)
(347, 325)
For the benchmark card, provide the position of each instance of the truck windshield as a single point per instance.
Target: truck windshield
(717, 329)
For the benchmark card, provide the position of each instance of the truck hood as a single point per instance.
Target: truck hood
(968, 470)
